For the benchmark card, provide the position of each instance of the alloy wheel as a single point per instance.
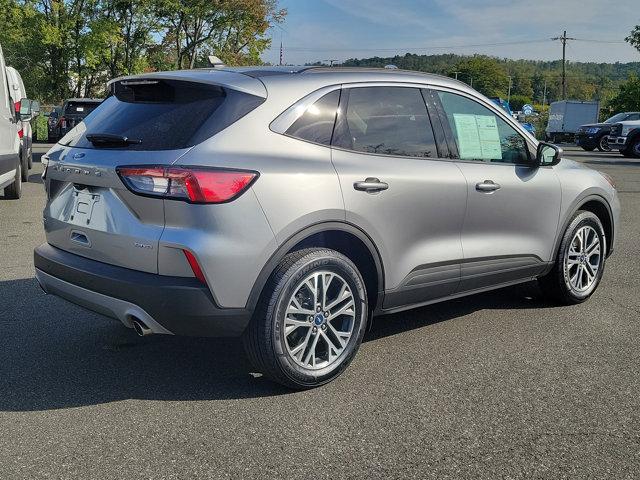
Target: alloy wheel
(583, 260)
(319, 320)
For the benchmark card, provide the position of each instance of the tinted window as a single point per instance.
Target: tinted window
(165, 115)
(316, 123)
(633, 117)
(386, 120)
(482, 135)
(80, 108)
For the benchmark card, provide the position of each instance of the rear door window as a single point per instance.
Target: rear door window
(387, 121)
(164, 114)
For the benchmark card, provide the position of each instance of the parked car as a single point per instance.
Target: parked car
(566, 116)
(625, 137)
(74, 110)
(52, 123)
(10, 159)
(595, 135)
(237, 201)
(18, 95)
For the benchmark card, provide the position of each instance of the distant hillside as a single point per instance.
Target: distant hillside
(585, 81)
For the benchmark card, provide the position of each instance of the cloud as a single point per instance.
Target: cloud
(399, 13)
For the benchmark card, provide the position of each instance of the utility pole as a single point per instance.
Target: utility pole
(456, 74)
(509, 94)
(281, 53)
(544, 95)
(564, 40)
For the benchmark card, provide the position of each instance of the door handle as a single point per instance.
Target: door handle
(487, 186)
(371, 185)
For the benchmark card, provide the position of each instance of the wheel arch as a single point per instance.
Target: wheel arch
(597, 205)
(343, 237)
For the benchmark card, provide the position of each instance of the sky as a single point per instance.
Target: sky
(319, 30)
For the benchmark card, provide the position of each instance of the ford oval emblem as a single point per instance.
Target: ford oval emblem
(78, 155)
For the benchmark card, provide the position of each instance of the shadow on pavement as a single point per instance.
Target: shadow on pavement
(55, 355)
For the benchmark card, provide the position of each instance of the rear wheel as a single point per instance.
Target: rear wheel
(603, 144)
(14, 191)
(580, 261)
(310, 320)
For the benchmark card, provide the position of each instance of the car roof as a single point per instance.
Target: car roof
(253, 79)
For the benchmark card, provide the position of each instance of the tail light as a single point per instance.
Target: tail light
(63, 122)
(18, 105)
(191, 184)
(21, 133)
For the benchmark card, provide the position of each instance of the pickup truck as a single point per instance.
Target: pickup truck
(625, 137)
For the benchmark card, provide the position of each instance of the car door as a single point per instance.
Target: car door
(514, 206)
(8, 130)
(400, 189)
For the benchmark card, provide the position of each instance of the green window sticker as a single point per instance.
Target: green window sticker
(478, 137)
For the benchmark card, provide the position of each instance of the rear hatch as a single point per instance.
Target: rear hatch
(145, 121)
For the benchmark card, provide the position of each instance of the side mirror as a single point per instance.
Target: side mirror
(26, 109)
(548, 154)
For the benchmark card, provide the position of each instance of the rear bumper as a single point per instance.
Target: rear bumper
(168, 305)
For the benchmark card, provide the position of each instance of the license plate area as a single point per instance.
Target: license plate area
(83, 206)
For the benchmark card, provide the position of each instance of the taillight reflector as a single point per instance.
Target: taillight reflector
(195, 266)
(195, 185)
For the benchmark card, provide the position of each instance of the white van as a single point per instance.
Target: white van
(18, 94)
(10, 164)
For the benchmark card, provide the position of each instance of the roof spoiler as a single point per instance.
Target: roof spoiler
(223, 78)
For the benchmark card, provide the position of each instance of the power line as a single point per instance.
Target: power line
(433, 47)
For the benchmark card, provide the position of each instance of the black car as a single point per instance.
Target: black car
(594, 135)
(73, 112)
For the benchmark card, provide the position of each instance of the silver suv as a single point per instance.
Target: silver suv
(290, 205)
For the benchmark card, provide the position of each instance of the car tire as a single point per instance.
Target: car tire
(603, 144)
(589, 149)
(25, 167)
(633, 150)
(30, 159)
(295, 344)
(579, 263)
(14, 191)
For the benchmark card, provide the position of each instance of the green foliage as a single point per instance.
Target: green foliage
(517, 101)
(65, 48)
(585, 81)
(634, 37)
(628, 98)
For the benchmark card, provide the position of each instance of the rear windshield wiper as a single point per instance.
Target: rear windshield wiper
(111, 140)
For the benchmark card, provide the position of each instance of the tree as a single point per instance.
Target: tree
(628, 98)
(485, 74)
(634, 37)
(234, 30)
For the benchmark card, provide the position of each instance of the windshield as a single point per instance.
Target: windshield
(616, 118)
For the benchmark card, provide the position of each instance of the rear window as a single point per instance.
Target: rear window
(80, 108)
(164, 114)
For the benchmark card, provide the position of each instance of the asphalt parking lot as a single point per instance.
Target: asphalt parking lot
(500, 385)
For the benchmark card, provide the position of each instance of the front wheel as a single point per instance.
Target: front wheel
(580, 261)
(14, 191)
(633, 150)
(310, 320)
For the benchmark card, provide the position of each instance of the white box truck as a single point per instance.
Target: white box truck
(566, 116)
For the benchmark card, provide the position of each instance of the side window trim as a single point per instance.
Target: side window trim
(283, 122)
(441, 129)
(451, 140)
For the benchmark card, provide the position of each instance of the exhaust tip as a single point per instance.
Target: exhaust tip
(141, 328)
